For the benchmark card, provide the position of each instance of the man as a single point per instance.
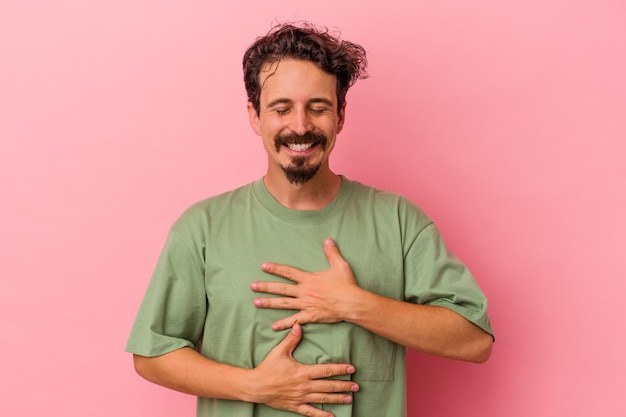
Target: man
(231, 314)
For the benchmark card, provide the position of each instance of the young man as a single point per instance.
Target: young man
(253, 308)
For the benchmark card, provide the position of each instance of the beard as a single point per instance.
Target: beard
(299, 171)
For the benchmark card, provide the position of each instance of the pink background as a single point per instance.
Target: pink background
(505, 121)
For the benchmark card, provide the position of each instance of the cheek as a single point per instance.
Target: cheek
(331, 128)
(334, 119)
(271, 128)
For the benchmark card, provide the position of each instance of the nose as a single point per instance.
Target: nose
(300, 122)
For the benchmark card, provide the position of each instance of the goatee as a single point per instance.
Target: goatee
(299, 172)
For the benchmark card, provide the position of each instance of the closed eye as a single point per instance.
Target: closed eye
(318, 110)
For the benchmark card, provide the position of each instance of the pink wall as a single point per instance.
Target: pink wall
(504, 120)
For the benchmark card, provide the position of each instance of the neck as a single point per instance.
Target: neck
(315, 194)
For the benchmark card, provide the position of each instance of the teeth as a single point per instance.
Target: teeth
(299, 147)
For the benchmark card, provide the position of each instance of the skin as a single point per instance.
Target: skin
(298, 97)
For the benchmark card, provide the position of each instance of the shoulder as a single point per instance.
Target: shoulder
(387, 203)
(199, 215)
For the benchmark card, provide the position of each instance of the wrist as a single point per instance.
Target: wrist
(357, 306)
(249, 386)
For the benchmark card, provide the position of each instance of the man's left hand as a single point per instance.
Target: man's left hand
(320, 297)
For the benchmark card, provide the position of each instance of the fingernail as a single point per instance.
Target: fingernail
(254, 285)
(351, 369)
(295, 329)
(258, 302)
(347, 399)
(354, 388)
(265, 267)
(329, 242)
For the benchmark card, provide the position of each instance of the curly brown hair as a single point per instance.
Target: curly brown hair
(346, 60)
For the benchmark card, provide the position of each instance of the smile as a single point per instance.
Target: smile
(300, 144)
(299, 147)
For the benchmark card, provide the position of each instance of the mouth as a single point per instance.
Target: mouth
(300, 144)
(300, 147)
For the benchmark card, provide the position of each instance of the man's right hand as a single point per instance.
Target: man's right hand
(283, 383)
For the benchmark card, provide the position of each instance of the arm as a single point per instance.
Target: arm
(431, 329)
(333, 295)
(279, 381)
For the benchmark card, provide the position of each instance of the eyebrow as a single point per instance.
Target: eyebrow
(280, 101)
(321, 100)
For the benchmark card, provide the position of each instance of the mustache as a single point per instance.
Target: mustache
(294, 139)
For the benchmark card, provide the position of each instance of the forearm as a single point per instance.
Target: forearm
(430, 329)
(278, 381)
(187, 371)
(333, 295)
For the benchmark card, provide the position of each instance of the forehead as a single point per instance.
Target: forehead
(296, 80)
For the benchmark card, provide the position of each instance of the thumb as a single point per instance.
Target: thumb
(289, 343)
(331, 250)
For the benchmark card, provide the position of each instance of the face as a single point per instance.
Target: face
(298, 118)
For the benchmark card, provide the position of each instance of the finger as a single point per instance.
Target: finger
(284, 271)
(292, 339)
(288, 322)
(277, 288)
(325, 398)
(310, 411)
(331, 250)
(334, 386)
(276, 303)
(328, 370)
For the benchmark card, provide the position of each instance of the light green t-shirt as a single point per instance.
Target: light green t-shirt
(200, 295)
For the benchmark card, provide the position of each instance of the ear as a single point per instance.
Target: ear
(253, 116)
(342, 117)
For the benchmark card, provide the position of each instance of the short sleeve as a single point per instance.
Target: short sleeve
(435, 276)
(172, 313)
